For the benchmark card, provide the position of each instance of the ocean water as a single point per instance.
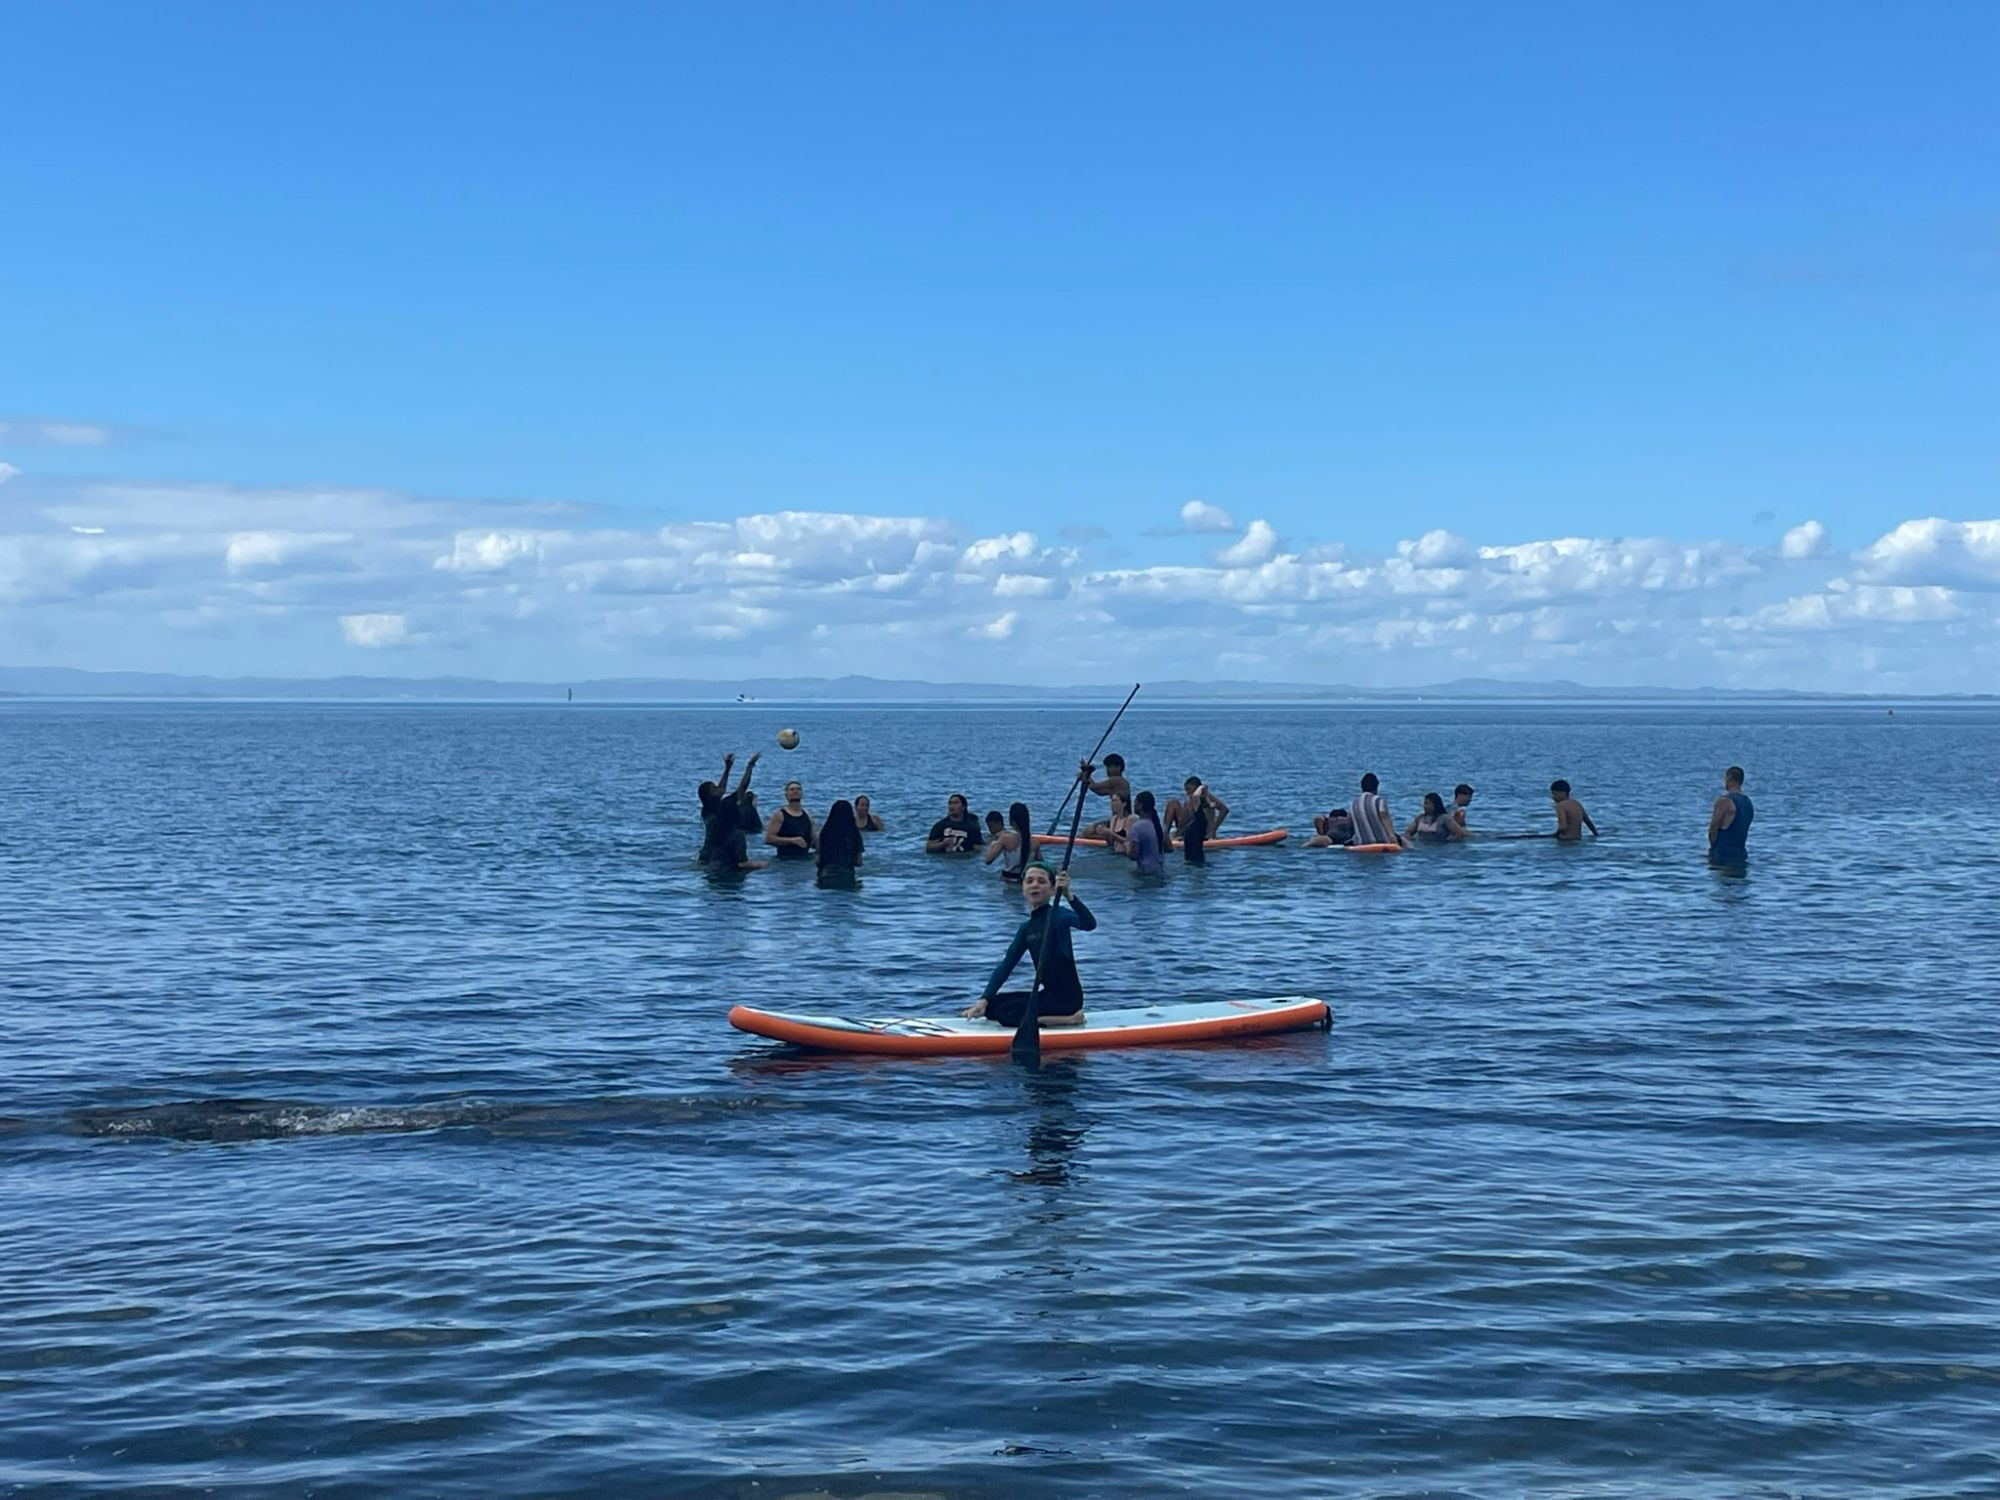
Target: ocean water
(371, 1125)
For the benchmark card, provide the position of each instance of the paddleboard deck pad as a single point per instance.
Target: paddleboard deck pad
(954, 1036)
(1243, 841)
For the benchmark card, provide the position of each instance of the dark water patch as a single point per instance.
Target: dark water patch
(280, 1119)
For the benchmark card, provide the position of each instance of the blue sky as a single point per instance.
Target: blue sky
(1515, 274)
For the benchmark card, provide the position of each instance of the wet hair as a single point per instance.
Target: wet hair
(1733, 776)
(839, 837)
(1192, 782)
(1433, 803)
(1559, 788)
(994, 820)
(1114, 762)
(800, 785)
(1121, 797)
(1463, 789)
(1147, 808)
(1037, 864)
(1370, 782)
(1021, 823)
(958, 797)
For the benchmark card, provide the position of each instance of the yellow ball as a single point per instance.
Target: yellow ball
(788, 739)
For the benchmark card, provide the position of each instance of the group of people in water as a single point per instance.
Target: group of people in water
(1133, 825)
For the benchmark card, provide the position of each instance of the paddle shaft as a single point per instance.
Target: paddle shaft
(1028, 1030)
(1063, 806)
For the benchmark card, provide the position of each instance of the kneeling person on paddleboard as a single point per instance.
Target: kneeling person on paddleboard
(1061, 992)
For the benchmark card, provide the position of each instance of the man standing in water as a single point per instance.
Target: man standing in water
(1729, 821)
(1461, 801)
(1571, 819)
(1060, 1001)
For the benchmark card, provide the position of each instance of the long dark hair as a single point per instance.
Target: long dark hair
(1147, 808)
(839, 837)
(1433, 803)
(1021, 823)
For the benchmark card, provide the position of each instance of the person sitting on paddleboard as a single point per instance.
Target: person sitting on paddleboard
(1336, 827)
(1369, 814)
(957, 832)
(1434, 824)
(1060, 1001)
(789, 830)
(1571, 819)
(1009, 842)
(1195, 820)
(1146, 839)
(865, 816)
(1114, 785)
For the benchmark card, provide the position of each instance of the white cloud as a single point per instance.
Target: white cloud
(374, 630)
(63, 434)
(1023, 586)
(211, 578)
(490, 551)
(1198, 515)
(1438, 549)
(1805, 540)
(1957, 554)
(247, 551)
(7, 472)
(1256, 545)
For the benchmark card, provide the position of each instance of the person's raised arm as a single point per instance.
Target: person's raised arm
(748, 766)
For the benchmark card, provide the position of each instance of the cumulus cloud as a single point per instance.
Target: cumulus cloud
(1257, 545)
(1199, 515)
(1954, 554)
(1802, 541)
(374, 630)
(490, 551)
(217, 579)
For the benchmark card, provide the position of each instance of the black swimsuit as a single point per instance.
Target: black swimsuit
(794, 826)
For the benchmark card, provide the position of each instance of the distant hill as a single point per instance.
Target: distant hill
(69, 682)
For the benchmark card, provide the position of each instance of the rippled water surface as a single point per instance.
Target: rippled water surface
(371, 1125)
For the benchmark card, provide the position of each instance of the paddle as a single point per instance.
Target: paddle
(1028, 1031)
(1063, 806)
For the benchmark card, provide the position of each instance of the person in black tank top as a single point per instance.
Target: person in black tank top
(789, 830)
(1729, 821)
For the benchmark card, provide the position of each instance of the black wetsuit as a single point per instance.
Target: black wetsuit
(1061, 992)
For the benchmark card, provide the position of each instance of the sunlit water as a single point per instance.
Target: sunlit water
(372, 1125)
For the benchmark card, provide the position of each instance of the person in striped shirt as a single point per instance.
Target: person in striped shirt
(1369, 813)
